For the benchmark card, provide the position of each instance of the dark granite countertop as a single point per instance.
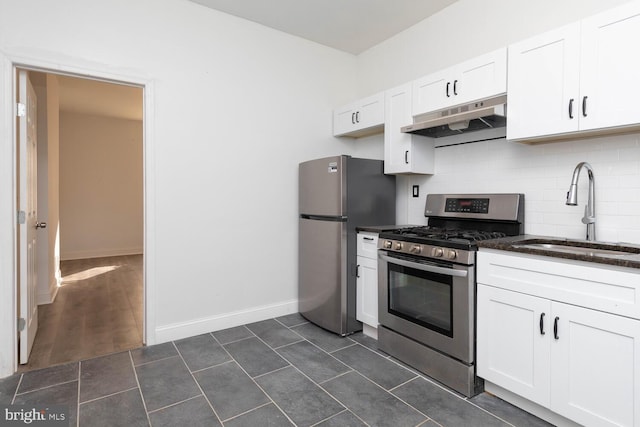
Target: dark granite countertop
(517, 244)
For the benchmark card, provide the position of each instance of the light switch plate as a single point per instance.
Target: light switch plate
(416, 191)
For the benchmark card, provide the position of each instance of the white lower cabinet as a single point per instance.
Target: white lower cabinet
(511, 351)
(580, 363)
(367, 279)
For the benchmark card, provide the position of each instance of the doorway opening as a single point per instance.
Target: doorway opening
(90, 263)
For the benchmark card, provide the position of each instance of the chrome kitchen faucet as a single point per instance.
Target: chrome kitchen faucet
(590, 209)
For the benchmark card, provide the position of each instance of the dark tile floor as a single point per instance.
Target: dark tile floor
(279, 372)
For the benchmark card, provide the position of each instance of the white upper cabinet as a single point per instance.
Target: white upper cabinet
(403, 152)
(581, 77)
(543, 84)
(481, 77)
(610, 65)
(360, 118)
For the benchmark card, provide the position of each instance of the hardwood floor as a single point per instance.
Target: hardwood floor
(98, 310)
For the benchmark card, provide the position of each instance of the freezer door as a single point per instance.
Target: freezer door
(322, 186)
(323, 273)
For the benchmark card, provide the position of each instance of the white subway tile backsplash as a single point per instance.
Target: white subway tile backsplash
(543, 173)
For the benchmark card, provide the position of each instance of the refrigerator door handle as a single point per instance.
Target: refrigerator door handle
(324, 217)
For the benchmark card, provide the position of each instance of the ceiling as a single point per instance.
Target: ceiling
(349, 25)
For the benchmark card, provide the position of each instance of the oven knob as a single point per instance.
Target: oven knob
(416, 249)
(387, 244)
(437, 252)
(398, 246)
(452, 254)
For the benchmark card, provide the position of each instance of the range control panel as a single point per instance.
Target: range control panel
(479, 205)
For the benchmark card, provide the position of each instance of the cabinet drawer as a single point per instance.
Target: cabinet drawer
(596, 286)
(368, 245)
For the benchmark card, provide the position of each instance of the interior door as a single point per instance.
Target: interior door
(28, 220)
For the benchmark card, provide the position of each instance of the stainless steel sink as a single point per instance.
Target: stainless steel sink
(612, 252)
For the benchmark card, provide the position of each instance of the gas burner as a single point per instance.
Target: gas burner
(428, 232)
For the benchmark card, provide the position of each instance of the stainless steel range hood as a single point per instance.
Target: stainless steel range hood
(486, 114)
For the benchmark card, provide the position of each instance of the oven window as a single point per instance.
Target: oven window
(421, 297)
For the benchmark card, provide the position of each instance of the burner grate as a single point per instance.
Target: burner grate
(428, 232)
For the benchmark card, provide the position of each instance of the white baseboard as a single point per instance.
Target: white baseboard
(178, 331)
(50, 296)
(99, 253)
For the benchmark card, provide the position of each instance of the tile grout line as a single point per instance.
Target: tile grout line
(197, 383)
(488, 412)
(105, 396)
(78, 403)
(135, 374)
(234, 341)
(335, 415)
(174, 404)
(15, 392)
(44, 388)
(153, 361)
(317, 384)
(256, 383)
(249, 411)
(417, 375)
(366, 378)
(209, 367)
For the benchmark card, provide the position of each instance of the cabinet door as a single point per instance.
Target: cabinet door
(367, 291)
(481, 77)
(543, 84)
(610, 64)
(344, 120)
(403, 152)
(433, 92)
(370, 112)
(512, 346)
(595, 367)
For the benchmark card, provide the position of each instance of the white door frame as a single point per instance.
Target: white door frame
(8, 192)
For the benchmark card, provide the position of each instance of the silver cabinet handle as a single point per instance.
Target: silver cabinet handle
(41, 224)
(424, 267)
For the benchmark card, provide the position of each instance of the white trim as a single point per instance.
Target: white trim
(49, 296)
(100, 253)
(8, 293)
(8, 223)
(228, 320)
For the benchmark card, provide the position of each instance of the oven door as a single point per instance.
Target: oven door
(430, 302)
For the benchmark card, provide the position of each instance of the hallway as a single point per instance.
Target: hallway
(98, 311)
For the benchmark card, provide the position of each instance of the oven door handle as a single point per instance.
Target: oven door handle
(424, 267)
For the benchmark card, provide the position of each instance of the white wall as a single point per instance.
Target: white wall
(101, 186)
(235, 107)
(543, 172)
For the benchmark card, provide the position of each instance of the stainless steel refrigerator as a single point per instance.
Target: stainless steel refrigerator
(336, 195)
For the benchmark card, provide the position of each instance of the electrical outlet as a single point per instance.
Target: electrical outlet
(416, 191)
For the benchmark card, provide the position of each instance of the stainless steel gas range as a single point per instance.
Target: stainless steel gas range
(427, 283)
